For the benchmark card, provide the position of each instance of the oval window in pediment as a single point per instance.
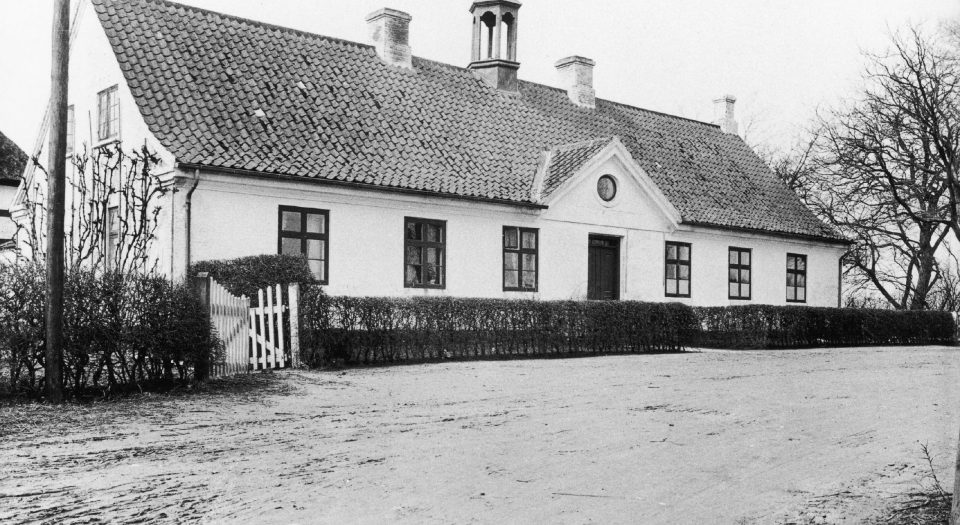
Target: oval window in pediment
(607, 188)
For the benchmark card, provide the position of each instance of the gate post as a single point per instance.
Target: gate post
(294, 298)
(201, 286)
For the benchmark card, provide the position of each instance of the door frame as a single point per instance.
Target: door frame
(617, 270)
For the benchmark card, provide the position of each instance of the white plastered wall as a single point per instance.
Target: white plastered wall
(7, 226)
(644, 225)
(235, 216)
(93, 68)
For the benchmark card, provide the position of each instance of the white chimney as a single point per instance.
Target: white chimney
(390, 33)
(576, 75)
(724, 114)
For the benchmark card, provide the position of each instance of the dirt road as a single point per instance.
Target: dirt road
(816, 436)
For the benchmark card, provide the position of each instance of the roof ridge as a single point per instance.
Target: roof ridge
(251, 21)
(662, 114)
(638, 108)
(302, 32)
(562, 90)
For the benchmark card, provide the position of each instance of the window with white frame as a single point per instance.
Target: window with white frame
(677, 269)
(425, 254)
(740, 273)
(796, 278)
(520, 256)
(71, 131)
(305, 231)
(108, 114)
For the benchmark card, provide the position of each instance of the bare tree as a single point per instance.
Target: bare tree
(882, 170)
(884, 199)
(112, 217)
(921, 79)
(797, 166)
(945, 296)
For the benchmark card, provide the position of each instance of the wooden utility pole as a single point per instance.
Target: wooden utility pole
(56, 188)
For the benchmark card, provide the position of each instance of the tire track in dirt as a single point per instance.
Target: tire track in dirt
(735, 435)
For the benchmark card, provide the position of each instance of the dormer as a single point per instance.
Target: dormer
(494, 55)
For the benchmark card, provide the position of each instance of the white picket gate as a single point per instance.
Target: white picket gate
(260, 337)
(270, 343)
(228, 314)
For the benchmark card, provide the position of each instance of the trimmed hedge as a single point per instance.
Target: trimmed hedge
(366, 330)
(120, 331)
(246, 275)
(766, 326)
(374, 330)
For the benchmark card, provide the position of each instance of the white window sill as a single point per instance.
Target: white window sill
(107, 142)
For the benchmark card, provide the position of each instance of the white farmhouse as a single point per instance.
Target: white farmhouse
(401, 176)
(12, 163)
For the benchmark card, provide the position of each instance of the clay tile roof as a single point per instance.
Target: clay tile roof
(12, 160)
(332, 110)
(566, 161)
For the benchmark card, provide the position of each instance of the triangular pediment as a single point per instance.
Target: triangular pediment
(565, 167)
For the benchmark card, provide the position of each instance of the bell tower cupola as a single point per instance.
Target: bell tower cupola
(494, 55)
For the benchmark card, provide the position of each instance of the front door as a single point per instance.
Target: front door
(603, 268)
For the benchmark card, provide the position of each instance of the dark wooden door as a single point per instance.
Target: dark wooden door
(603, 268)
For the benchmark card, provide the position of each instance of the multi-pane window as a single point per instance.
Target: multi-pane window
(677, 269)
(520, 259)
(740, 277)
(108, 114)
(796, 278)
(71, 130)
(305, 231)
(111, 236)
(424, 253)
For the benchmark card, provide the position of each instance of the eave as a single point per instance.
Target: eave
(773, 233)
(357, 185)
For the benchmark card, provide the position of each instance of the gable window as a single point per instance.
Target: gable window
(740, 277)
(424, 249)
(71, 130)
(607, 188)
(677, 269)
(796, 278)
(108, 114)
(305, 231)
(520, 256)
(111, 237)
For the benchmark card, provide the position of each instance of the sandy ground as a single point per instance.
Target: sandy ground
(816, 436)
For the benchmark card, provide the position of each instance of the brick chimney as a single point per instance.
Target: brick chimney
(725, 117)
(390, 33)
(576, 75)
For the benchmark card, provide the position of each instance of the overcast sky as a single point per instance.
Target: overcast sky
(781, 58)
